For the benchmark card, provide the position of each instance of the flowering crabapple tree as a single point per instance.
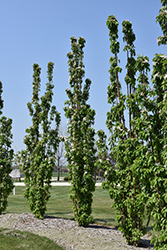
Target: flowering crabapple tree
(80, 150)
(41, 144)
(157, 153)
(152, 128)
(140, 148)
(123, 182)
(6, 156)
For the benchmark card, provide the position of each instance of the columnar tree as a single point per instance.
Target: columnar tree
(123, 182)
(140, 148)
(157, 153)
(41, 144)
(6, 156)
(152, 126)
(80, 151)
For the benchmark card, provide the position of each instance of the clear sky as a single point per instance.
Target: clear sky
(39, 31)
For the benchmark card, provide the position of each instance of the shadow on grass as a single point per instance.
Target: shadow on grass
(96, 226)
(56, 216)
(107, 222)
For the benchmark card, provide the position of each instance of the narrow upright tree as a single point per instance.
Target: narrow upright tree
(157, 153)
(6, 156)
(41, 144)
(124, 182)
(80, 151)
(140, 149)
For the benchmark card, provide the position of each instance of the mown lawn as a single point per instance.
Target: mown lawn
(15, 239)
(60, 205)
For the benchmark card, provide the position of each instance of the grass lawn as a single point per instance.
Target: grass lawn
(14, 239)
(62, 174)
(59, 205)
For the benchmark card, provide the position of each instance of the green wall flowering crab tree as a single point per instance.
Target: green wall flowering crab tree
(152, 128)
(124, 182)
(41, 144)
(157, 153)
(140, 148)
(6, 156)
(80, 150)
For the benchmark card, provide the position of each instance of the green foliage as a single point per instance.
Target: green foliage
(41, 144)
(80, 152)
(140, 149)
(6, 156)
(125, 181)
(162, 19)
(17, 162)
(157, 155)
(66, 178)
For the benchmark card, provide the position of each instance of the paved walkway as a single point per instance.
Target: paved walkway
(56, 183)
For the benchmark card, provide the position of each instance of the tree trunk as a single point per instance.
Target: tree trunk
(58, 169)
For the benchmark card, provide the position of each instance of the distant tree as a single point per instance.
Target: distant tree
(41, 141)
(17, 161)
(60, 154)
(6, 156)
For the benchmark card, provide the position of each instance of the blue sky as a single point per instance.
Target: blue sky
(39, 31)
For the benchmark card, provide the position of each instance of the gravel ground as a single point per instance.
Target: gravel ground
(68, 234)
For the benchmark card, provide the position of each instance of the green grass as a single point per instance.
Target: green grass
(14, 240)
(59, 205)
(61, 174)
(101, 209)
